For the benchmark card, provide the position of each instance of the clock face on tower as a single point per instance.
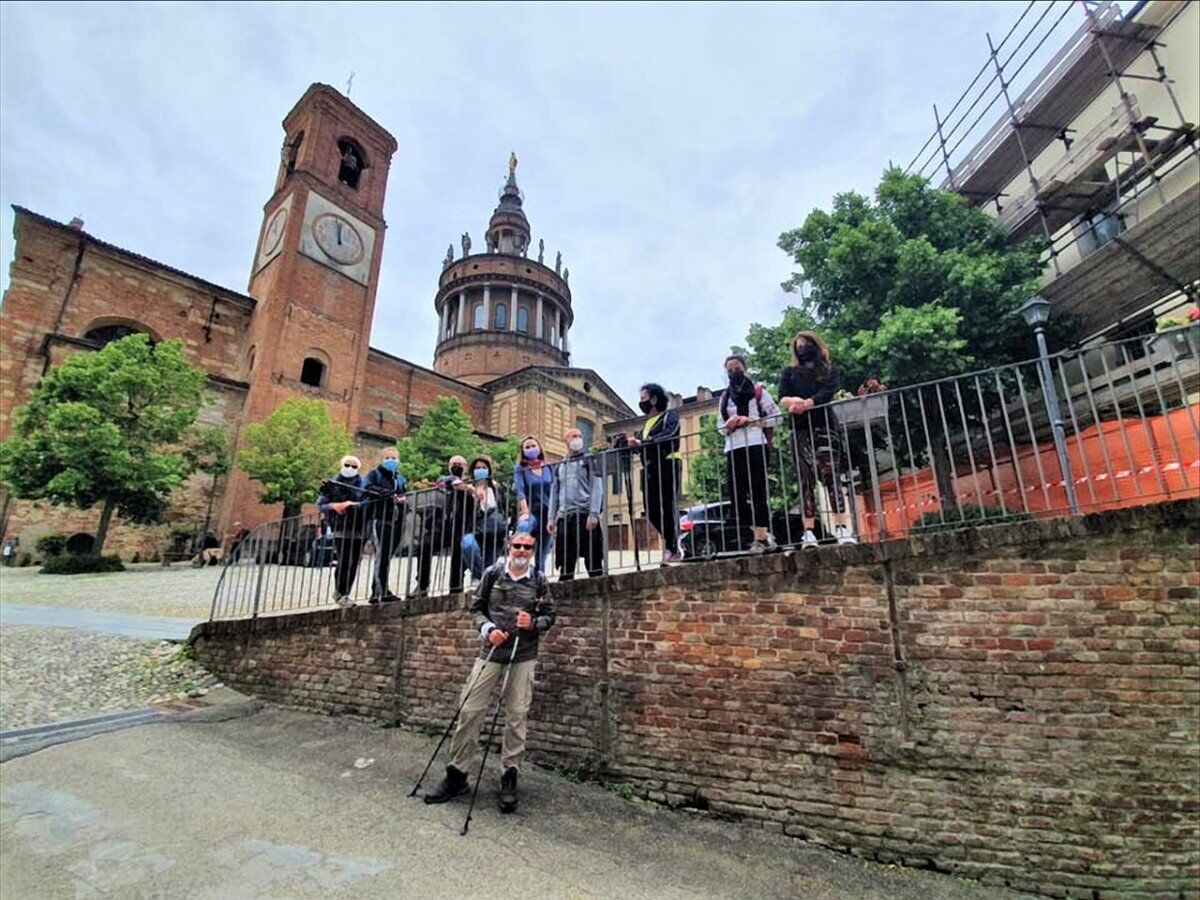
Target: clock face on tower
(338, 239)
(274, 231)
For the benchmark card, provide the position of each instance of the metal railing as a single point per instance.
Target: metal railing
(980, 448)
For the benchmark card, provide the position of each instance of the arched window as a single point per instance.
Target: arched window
(588, 429)
(353, 161)
(479, 320)
(500, 319)
(291, 150)
(250, 358)
(312, 372)
(523, 320)
(106, 334)
(451, 317)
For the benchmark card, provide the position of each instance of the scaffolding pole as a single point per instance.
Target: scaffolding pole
(1130, 114)
(942, 142)
(1033, 179)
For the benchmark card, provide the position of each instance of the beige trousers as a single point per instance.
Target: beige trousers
(518, 695)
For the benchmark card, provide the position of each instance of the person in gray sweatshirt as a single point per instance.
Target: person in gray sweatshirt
(577, 510)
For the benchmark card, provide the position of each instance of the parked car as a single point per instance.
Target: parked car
(709, 529)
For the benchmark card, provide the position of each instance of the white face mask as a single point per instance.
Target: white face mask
(348, 472)
(575, 445)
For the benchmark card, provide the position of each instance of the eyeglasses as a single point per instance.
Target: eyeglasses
(350, 465)
(521, 546)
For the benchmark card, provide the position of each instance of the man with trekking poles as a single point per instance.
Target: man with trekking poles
(512, 609)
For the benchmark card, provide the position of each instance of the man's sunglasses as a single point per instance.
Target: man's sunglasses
(521, 546)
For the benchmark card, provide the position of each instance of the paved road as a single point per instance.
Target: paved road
(145, 627)
(272, 804)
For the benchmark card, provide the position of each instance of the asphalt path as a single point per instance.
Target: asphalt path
(241, 801)
(145, 627)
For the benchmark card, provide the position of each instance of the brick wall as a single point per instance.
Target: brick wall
(1018, 705)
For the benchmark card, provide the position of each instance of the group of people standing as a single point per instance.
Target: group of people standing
(563, 504)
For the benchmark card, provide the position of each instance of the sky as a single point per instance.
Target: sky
(663, 147)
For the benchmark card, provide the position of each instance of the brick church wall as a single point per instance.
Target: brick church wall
(1017, 705)
(111, 287)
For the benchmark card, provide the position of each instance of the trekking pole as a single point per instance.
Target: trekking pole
(492, 736)
(453, 721)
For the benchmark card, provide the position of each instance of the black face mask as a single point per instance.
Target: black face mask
(645, 406)
(737, 378)
(807, 353)
(457, 471)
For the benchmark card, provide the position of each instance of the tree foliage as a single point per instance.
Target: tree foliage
(292, 450)
(915, 285)
(445, 430)
(110, 428)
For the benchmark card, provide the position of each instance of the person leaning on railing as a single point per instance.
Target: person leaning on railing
(385, 488)
(748, 416)
(455, 522)
(533, 481)
(577, 509)
(658, 442)
(341, 502)
(805, 389)
(483, 544)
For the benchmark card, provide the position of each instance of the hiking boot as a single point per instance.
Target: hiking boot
(453, 785)
(809, 541)
(508, 791)
(843, 535)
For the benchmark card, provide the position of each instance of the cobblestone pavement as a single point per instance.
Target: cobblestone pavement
(147, 589)
(58, 674)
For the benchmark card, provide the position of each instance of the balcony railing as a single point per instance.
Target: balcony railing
(978, 449)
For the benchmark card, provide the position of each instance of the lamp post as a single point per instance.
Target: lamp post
(1036, 312)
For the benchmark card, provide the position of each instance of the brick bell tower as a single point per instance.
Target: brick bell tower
(315, 270)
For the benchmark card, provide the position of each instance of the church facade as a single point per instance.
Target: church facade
(303, 326)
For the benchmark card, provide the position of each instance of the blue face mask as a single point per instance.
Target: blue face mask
(480, 474)
(391, 464)
(532, 452)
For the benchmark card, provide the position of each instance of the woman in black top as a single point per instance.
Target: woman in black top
(805, 389)
(658, 440)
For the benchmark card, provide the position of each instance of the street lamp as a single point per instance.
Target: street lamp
(1036, 312)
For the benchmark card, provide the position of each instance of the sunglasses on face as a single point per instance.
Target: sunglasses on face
(522, 546)
(351, 466)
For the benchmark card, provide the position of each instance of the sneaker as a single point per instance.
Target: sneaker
(508, 791)
(670, 558)
(843, 535)
(766, 545)
(809, 541)
(453, 785)
(345, 601)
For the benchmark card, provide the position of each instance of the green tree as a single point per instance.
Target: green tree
(445, 430)
(706, 469)
(914, 286)
(291, 451)
(108, 428)
(208, 452)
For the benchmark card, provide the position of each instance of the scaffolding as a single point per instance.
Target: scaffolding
(1105, 173)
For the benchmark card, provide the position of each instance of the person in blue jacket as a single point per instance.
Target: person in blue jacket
(385, 488)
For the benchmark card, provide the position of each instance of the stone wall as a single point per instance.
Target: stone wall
(1017, 705)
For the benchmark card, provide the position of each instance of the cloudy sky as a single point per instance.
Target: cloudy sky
(663, 147)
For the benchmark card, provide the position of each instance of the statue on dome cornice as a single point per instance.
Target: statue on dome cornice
(558, 263)
(541, 250)
(449, 257)
(512, 164)
(566, 274)
(493, 242)
(466, 243)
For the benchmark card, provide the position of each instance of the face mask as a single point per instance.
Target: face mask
(645, 406)
(575, 445)
(807, 353)
(391, 464)
(348, 472)
(736, 377)
(481, 474)
(532, 452)
(457, 471)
